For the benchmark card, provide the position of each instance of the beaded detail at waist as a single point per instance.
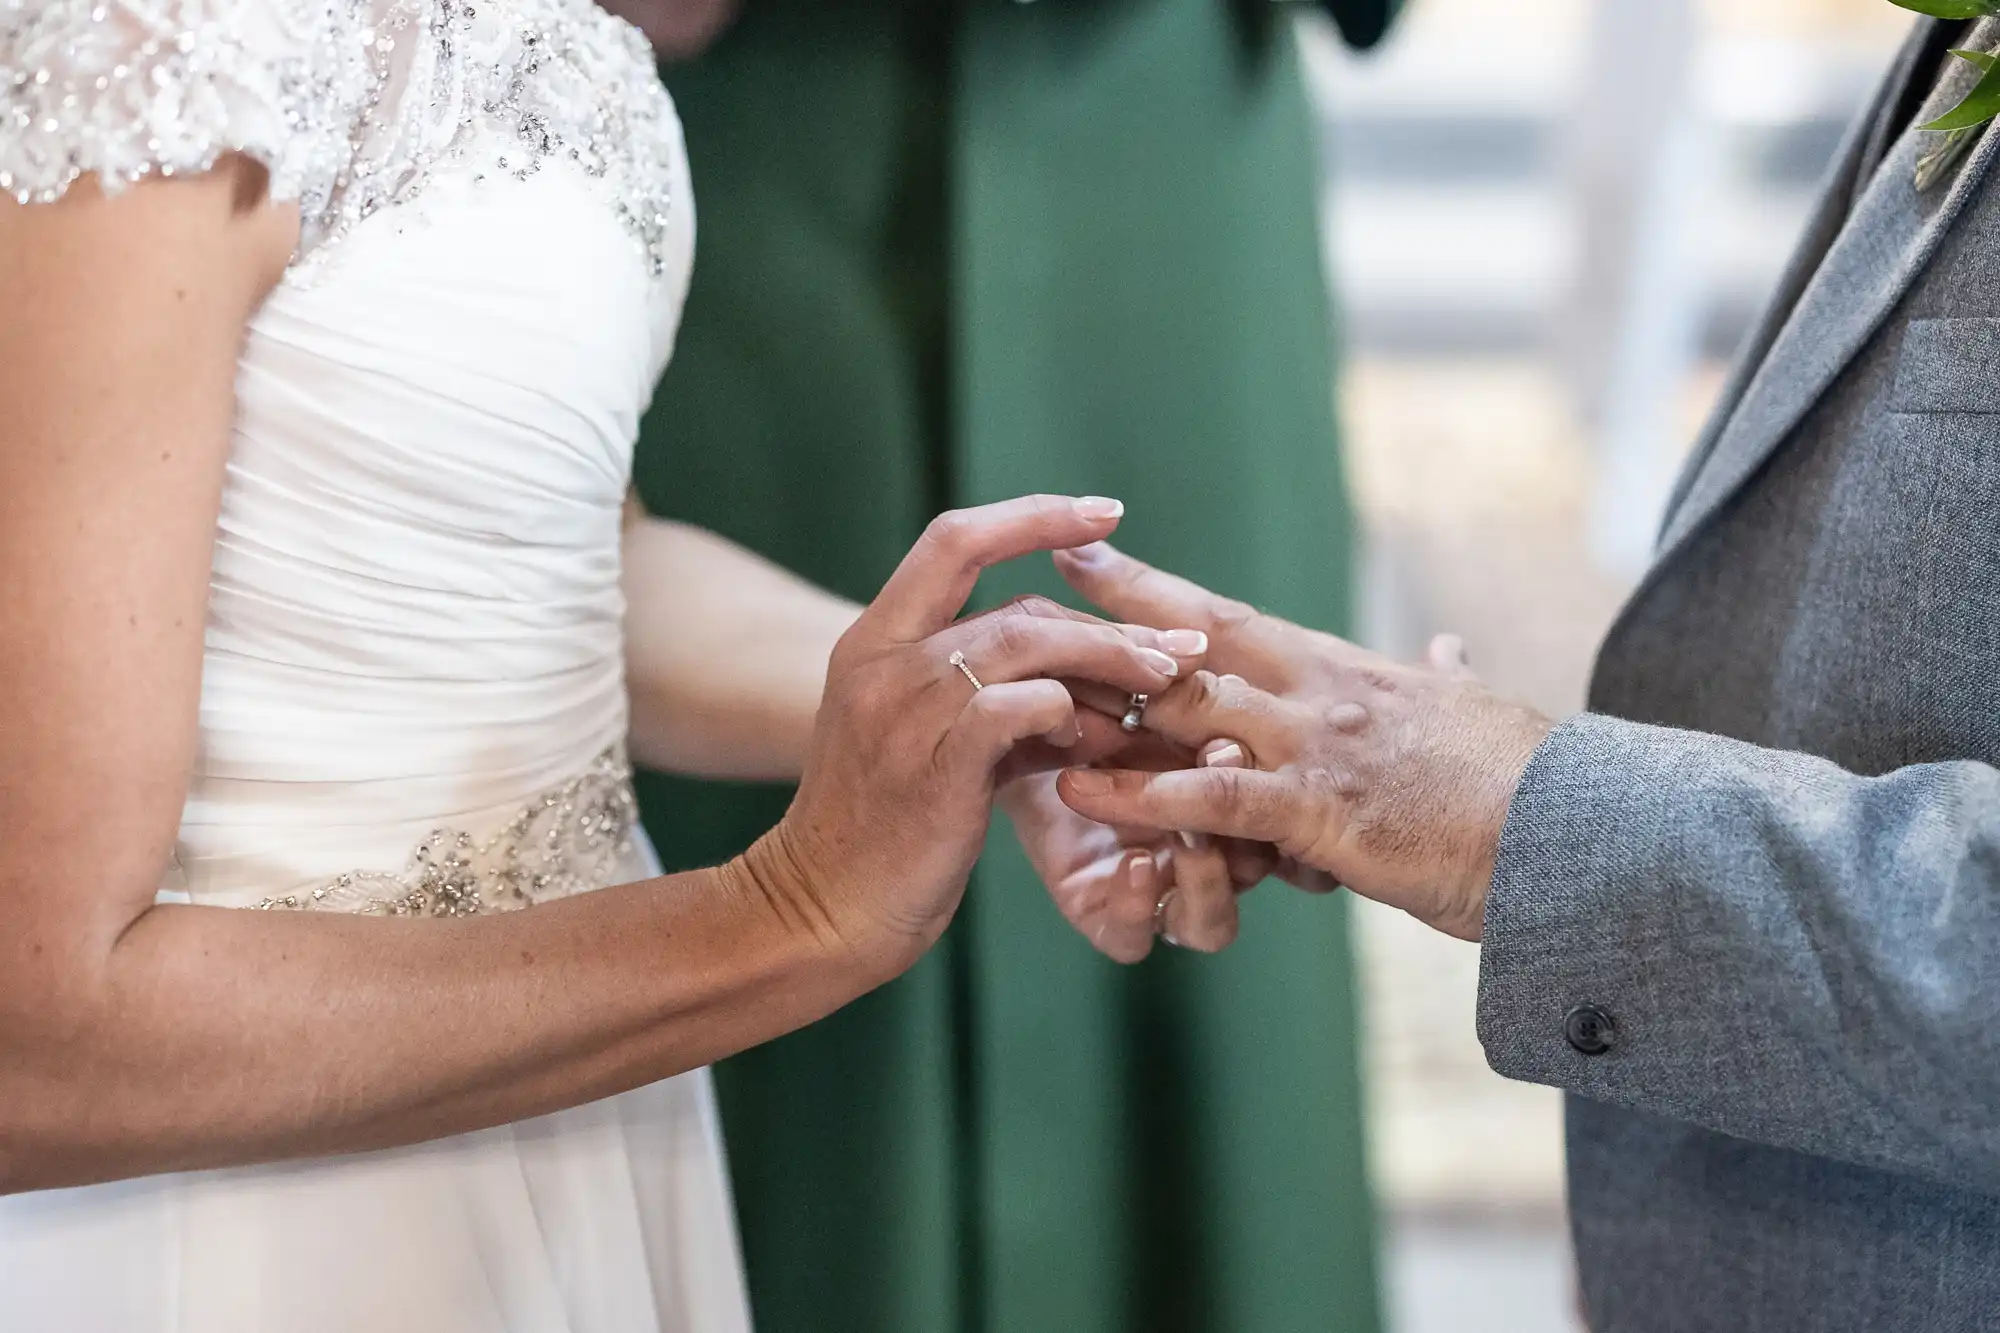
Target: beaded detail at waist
(574, 839)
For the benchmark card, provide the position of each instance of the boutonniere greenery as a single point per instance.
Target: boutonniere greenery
(1959, 128)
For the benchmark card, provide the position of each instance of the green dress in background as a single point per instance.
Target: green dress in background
(950, 253)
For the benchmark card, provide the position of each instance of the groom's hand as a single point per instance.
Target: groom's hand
(1395, 780)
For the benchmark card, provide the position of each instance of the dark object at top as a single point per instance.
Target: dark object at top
(1363, 22)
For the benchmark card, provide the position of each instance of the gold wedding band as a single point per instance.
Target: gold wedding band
(958, 660)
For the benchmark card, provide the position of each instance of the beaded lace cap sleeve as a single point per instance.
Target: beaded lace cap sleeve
(349, 103)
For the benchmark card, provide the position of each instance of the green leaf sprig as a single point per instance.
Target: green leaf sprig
(1951, 9)
(1959, 128)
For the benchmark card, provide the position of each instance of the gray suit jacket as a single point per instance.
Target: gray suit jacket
(1747, 911)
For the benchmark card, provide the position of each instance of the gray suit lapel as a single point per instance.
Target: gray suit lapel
(1871, 258)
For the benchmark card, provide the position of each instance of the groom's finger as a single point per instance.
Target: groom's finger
(1185, 714)
(1134, 590)
(1209, 707)
(931, 586)
(1224, 802)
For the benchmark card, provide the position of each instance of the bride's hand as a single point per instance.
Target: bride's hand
(1127, 890)
(897, 796)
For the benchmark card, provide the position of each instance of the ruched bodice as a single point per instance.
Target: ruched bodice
(416, 619)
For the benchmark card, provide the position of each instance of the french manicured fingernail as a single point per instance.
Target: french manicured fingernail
(1229, 756)
(1184, 642)
(1097, 508)
(1195, 842)
(1086, 782)
(1089, 555)
(1160, 662)
(1141, 864)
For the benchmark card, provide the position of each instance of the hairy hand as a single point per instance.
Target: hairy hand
(1394, 780)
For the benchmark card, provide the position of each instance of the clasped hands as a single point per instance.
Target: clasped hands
(1292, 752)
(1265, 748)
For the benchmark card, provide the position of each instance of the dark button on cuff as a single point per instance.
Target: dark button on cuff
(1589, 1030)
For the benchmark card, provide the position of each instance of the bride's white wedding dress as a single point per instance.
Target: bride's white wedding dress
(413, 698)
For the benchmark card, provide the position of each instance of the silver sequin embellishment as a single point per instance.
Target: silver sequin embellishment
(572, 840)
(351, 104)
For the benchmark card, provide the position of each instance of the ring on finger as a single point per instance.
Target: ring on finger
(1160, 927)
(958, 660)
(1135, 713)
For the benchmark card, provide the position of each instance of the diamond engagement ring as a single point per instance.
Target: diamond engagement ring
(958, 660)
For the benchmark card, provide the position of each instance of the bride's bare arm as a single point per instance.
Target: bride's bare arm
(725, 654)
(137, 1038)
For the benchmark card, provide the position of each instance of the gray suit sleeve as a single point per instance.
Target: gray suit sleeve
(1788, 953)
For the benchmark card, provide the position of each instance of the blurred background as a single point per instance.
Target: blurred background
(1548, 224)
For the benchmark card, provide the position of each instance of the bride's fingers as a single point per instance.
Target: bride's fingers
(1219, 869)
(1111, 902)
(1100, 738)
(1000, 717)
(999, 650)
(1203, 914)
(1039, 756)
(1135, 896)
(931, 586)
(1186, 647)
